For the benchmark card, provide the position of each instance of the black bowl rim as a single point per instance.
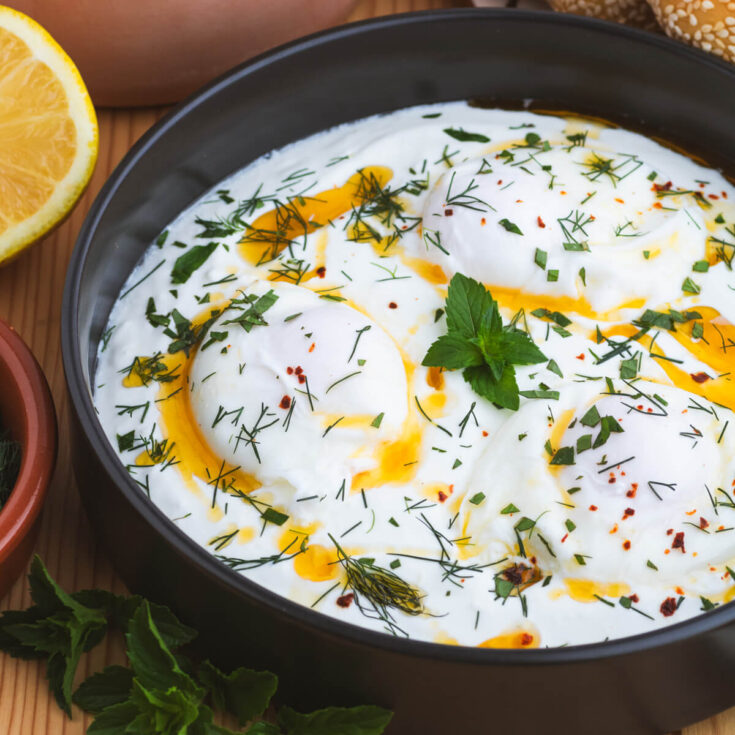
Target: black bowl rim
(81, 397)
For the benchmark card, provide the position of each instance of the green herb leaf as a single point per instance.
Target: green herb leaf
(465, 137)
(366, 720)
(110, 686)
(510, 226)
(191, 260)
(244, 693)
(563, 456)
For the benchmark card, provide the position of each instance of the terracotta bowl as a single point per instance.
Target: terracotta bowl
(27, 411)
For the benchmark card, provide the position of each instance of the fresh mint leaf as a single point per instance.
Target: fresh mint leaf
(114, 720)
(153, 663)
(465, 137)
(467, 302)
(9, 643)
(366, 720)
(478, 342)
(63, 631)
(163, 712)
(453, 351)
(193, 259)
(504, 391)
(109, 687)
(245, 693)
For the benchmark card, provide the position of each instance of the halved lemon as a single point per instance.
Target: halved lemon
(48, 133)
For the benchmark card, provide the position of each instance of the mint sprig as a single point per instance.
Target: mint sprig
(162, 692)
(480, 344)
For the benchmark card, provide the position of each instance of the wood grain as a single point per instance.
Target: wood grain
(30, 299)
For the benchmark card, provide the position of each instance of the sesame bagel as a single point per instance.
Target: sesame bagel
(631, 12)
(707, 24)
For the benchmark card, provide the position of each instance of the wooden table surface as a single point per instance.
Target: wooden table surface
(30, 299)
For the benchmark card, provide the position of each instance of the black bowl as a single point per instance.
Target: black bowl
(650, 683)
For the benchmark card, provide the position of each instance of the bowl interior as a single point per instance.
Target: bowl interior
(506, 57)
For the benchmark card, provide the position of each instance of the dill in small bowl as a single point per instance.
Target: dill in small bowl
(10, 457)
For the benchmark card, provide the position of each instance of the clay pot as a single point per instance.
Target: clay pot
(27, 411)
(148, 52)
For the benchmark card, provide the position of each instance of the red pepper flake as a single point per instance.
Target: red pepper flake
(540, 222)
(299, 370)
(699, 377)
(321, 271)
(593, 507)
(580, 356)
(668, 607)
(633, 490)
(724, 194)
(713, 196)
(662, 187)
(612, 480)
(393, 305)
(564, 537)
(619, 201)
(442, 496)
(634, 598)
(669, 532)
(285, 402)
(526, 639)
(626, 545)
(614, 529)
(302, 379)
(346, 600)
(483, 221)
(650, 410)
(289, 370)
(484, 433)
(313, 345)
(448, 212)
(628, 513)
(500, 181)
(679, 590)
(658, 205)
(678, 542)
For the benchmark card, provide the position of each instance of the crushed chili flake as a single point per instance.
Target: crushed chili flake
(393, 305)
(662, 187)
(614, 529)
(564, 537)
(593, 507)
(678, 542)
(299, 370)
(285, 402)
(580, 356)
(484, 433)
(289, 370)
(626, 545)
(302, 379)
(483, 221)
(628, 512)
(540, 222)
(442, 496)
(633, 490)
(321, 271)
(634, 598)
(345, 600)
(612, 480)
(713, 196)
(526, 639)
(448, 212)
(669, 531)
(668, 607)
(699, 377)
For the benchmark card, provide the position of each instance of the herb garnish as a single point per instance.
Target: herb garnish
(10, 457)
(479, 343)
(190, 261)
(162, 692)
